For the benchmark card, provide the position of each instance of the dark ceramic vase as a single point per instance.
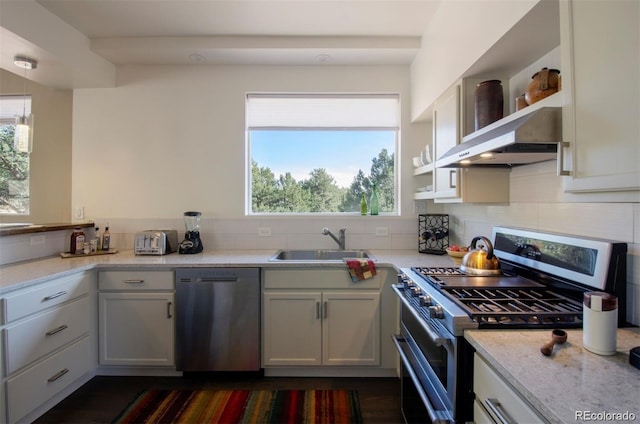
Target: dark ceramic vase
(489, 103)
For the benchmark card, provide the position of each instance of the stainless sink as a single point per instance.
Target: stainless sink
(320, 255)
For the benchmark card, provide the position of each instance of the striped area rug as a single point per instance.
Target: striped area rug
(243, 406)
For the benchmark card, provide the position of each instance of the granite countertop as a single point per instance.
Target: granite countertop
(23, 274)
(571, 380)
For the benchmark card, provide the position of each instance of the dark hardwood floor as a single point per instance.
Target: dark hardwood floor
(102, 398)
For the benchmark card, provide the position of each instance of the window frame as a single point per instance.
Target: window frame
(19, 104)
(396, 128)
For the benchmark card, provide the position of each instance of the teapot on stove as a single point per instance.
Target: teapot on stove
(480, 261)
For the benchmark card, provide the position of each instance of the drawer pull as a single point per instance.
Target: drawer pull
(133, 281)
(53, 296)
(57, 375)
(56, 330)
(496, 407)
(169, 310)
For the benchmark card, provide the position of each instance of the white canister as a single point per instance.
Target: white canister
(600, 322)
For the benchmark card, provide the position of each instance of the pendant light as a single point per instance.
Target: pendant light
(23, 136)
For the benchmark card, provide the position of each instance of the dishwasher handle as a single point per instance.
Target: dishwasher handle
(213, 279)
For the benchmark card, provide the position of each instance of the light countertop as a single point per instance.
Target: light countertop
(571, 379)
(23, 274)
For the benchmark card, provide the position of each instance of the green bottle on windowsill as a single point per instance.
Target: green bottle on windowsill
(363, 205)
(373, 202)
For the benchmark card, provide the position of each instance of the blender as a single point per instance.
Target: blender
(191, 242)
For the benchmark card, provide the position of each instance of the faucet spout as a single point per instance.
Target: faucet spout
(341, 239)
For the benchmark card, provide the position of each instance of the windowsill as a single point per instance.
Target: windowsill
(42, 228)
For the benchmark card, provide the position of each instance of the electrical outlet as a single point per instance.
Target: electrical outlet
(382, 231)
(264, 232)
(37, 240)
(79, 212)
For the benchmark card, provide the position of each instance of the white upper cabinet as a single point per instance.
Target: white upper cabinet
(601, 86)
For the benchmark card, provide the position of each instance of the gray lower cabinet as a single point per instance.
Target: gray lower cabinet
(320, 318)
(136, 318)
(48, 343)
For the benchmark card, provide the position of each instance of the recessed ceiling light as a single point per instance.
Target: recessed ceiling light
(197, 58)
(323, 58)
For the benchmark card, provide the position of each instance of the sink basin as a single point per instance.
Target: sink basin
(320, 255)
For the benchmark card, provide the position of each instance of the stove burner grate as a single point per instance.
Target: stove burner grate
(528, 306)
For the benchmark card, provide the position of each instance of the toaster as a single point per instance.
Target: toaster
(155, 242)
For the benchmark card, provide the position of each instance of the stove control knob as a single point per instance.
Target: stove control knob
(415, 291)
(436, 312)
(409, 284)
(425, 300)
(402, 278)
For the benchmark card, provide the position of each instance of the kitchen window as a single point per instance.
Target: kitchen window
(320, 153)
(14, 165)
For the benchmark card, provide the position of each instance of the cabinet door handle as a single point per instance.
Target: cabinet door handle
(317, 310)
(496, 407)
(168, 309)
(57, 375)
(56, 330)
(452, 173)
(560, 160)
(133, 281)
(53, 296)
(325, 310)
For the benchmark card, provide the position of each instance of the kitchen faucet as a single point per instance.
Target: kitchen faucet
(340, 241)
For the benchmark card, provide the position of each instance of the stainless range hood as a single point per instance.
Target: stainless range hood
(521, 138)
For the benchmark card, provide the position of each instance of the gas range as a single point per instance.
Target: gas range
(508, 300)
(543, 279)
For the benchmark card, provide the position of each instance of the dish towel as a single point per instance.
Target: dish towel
(360, 269)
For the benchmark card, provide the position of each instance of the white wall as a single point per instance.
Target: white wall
(171, 138)
(50, 161)
(468, 28)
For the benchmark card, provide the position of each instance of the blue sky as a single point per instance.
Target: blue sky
(341, 153)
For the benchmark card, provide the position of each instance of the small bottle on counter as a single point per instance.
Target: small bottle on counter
(363, 205)
(76, 246)
(373, 203)
(106, 238)
(97, 239)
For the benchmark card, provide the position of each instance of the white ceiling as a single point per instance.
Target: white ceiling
(249, 31)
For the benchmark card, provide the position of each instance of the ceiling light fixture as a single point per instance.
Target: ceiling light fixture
(323, 58)
(197, 58)
(23, 136)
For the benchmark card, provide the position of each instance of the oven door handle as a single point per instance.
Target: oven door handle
(433, 414)
(437, 339)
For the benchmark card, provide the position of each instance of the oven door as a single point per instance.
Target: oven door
(428, 370)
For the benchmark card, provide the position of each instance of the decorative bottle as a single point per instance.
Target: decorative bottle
(373, 202)
(97, 239)
(76, 246)
(106, 239)
(363, 205)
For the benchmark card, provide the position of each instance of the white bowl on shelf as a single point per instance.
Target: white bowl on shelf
(425, 156)
(417, 161)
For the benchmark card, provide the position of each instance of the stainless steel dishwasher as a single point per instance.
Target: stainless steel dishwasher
(218, 319)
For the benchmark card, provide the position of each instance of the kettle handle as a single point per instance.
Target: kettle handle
(488, 245)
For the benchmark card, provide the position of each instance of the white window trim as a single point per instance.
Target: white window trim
(255, 121)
